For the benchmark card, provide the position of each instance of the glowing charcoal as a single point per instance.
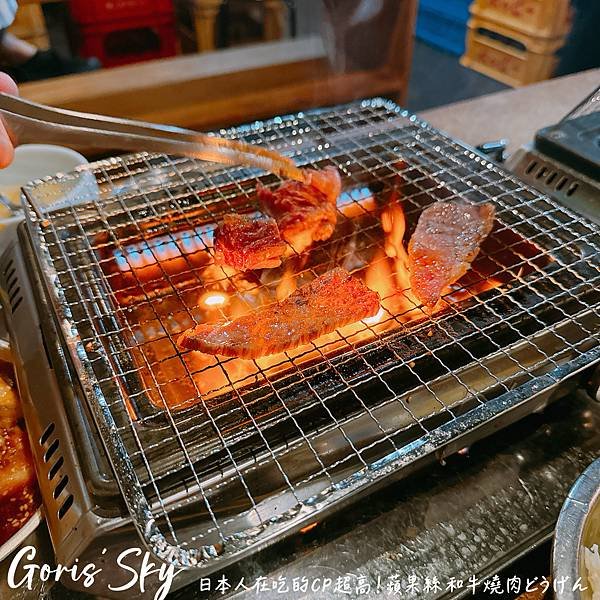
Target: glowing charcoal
(214, 299)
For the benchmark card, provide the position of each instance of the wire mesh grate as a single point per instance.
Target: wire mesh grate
(214, 455)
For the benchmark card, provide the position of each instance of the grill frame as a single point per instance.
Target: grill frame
(445, 436)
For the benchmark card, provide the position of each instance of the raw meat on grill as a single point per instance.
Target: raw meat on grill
(445, 242)
(305, 212)
(330, 301)
(246, 243)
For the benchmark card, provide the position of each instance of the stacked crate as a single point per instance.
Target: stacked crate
(30, 25)
(515, 41)
(443, 24)
(125, 31)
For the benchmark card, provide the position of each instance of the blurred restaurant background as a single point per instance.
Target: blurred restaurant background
(211, 63)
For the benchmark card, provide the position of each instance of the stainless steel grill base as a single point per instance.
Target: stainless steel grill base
(87, 519)
(97, 519)
(194, 515)
(570, 188)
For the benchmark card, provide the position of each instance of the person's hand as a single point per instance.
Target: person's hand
(8, 86)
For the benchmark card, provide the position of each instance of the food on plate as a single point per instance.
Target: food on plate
(592, 565)
(445, 242)
(10, 407)
(319, 307)
(18, 492)
(18, 489)
(247, 243)
(305, 212)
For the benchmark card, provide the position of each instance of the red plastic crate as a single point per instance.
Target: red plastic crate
(113, 43)
(99, 11)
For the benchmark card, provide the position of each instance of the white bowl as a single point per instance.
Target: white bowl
(35, 161)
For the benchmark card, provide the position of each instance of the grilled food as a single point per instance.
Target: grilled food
(10, 406)
(592, 565)
(247, 243)
(445, 242)
(18, 489)
(319, 307)
(305, 212)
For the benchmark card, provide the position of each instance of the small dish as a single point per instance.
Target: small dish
(29, 526)
(20, 536)
(578, 528)
(36, 161)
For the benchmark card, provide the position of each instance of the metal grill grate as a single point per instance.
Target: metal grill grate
(215, 457)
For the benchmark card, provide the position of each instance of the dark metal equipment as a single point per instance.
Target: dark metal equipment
(564, 159)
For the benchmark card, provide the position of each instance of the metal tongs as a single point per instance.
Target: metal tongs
(29, 122)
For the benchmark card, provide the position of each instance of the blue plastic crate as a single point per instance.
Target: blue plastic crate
(443, 23)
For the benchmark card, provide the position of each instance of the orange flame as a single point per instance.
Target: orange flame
(287, 284)
(388, 273)
(212, 292)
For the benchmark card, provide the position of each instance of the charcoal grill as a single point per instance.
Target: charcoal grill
(210, 461)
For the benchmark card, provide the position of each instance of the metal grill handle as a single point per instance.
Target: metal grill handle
(29, 122)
